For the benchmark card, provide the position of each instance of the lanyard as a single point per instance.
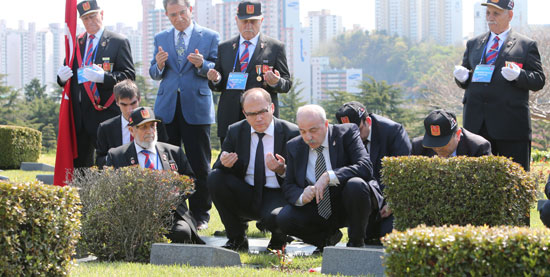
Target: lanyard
(95, 53)
(236, 57)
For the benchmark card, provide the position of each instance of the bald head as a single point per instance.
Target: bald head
(313, 124)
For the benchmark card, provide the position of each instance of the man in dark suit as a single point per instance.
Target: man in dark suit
(326, 182)
(498, 70)
(183, 55)
(146, 152)
(545, 210)
(115, 132)
(444, 138)
(382, 137)
(102, 59)
(245, 183)
(262, 58)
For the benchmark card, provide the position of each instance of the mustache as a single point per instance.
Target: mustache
(491, 22)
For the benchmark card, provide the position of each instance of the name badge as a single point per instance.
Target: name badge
(237, 80)
(483, 73)
(80, 73)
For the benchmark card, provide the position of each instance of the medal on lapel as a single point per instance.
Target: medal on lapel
(259, 72)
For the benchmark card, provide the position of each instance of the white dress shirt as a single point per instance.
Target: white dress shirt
(125, 130)
(251, 47)
(269, 147)
(310, 171)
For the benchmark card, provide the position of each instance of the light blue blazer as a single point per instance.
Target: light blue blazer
(187, 80)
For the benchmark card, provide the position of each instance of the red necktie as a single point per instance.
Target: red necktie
(148, 163)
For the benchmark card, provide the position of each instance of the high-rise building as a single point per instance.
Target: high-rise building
(420, 20)
(519, 20)
(153, 21)
(324, 27)
(325, 79)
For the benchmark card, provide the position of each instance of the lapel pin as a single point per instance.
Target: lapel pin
(262, 45)
(234, 46)
(132, 161)
(334, 143)
(104, 43)
(164, 157)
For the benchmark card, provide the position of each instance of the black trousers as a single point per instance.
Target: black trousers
(518, 150)
(85, 149)
(233, 199)
(351, 206)
(181, 231)
(196, 143)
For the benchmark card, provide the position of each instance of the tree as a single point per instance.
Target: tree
(34, 90)
(290, 102)
(335, 100)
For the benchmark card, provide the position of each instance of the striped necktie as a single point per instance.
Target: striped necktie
(148, 163)
(323, 208)
(493, 52)
(89, 55)
(244, 56)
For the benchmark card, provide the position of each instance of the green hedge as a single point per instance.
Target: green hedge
(39, 227)
(19, 144)
(457, 191)
(126, 210)
(468, 251)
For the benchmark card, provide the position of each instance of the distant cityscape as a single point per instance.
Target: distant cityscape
(27, 53)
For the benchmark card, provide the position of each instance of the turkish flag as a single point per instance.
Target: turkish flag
(66, 138)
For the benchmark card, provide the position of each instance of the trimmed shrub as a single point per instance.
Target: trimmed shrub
(19, 144)
(126, 210)
(468, 251)
(39, 227)
(457, 191)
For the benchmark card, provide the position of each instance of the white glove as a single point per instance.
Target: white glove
(461, 73)
(510, 72)
(94, 74)
(64, 73)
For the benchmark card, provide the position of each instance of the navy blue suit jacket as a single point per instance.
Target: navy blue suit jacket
(388, 139)
(191, 82)
(348, 159)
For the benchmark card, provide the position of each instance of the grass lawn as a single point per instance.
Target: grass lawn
(254, 264)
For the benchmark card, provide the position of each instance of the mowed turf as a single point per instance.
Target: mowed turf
(254, 264)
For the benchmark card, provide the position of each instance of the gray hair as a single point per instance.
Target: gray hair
(312, 109)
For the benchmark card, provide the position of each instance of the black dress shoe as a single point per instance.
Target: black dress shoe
(359, 244)
(237, 245)
(334, 238)
(220, 233)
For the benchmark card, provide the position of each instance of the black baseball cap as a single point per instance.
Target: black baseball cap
(501, 4)
(440, 126)
(351, 112)
(142, 115)
(249, 10)
(87, 6)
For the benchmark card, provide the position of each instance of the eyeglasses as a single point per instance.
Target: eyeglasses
(254, 114)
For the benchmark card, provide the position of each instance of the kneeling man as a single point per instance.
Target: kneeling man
(445, 139)
(148, 153)
(245, 182)
(326, 182)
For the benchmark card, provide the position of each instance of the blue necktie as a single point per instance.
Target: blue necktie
(148, 163)
(180, 48)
